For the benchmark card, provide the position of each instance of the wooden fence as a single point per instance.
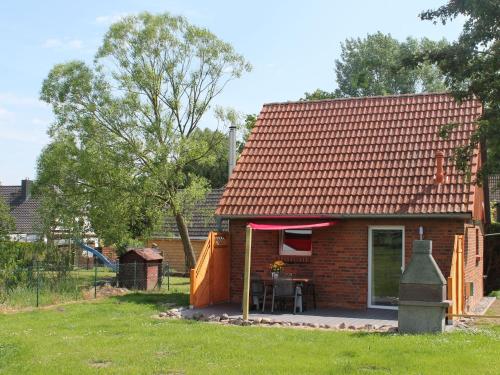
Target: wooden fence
(210, 277)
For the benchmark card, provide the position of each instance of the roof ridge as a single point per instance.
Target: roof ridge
(441, 93)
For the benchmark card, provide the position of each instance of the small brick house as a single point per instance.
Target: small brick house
(140, 269)
(377, 174)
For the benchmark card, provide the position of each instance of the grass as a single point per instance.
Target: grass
(120, 335)
(495, 293)
(56, 289)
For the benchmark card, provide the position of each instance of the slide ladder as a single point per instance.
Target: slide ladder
(105, 260)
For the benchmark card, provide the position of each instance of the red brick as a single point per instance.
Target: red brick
(339, 263)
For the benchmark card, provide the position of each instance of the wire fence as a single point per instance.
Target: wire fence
(46, 283)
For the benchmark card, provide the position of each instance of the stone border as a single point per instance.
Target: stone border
(225, 319)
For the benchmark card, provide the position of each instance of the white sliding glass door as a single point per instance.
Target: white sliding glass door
(385, 265)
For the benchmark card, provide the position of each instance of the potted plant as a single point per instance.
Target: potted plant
(276, 267)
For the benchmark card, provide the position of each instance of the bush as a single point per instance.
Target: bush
(18, 260)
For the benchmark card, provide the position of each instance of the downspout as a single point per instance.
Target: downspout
(232, 149)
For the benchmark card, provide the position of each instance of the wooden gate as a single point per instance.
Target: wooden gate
(456, 278)
(210, 277)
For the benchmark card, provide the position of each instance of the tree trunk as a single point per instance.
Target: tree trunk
(186, 242)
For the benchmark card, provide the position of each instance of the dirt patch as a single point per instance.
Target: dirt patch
(104, 291)
(99, 363)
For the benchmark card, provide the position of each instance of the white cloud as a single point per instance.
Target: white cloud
(24, 119)
(110, 18)
(40, 122)
(65, 43)
(4, 113)
(75, 44)
(23, 136)
(9, 99)
(52, 43)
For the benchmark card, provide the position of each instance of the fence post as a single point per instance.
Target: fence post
(37, 282)
(95, 280)
(135, 275)
(168, 276)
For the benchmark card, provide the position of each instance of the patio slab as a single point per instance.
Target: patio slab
(332, 317)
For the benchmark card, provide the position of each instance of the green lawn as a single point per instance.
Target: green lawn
(56, 288)
(120, 335)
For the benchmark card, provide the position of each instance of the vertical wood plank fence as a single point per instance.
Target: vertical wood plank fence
(456, 278)
(210, 277)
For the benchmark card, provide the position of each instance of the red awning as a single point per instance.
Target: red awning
(321, 224)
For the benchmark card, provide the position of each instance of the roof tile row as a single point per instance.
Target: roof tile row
(352, 156)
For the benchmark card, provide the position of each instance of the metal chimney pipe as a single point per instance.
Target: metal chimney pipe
(439, 167)
(232, 149)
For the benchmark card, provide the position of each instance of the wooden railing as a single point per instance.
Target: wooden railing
(210, 277)
(456, 278)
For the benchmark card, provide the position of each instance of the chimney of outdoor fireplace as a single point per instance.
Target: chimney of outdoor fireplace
(439, 167)
(26, 188)
(232, 149)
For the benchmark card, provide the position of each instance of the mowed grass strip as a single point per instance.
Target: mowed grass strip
(121, 335)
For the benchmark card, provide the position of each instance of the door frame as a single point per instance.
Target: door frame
(370, 256)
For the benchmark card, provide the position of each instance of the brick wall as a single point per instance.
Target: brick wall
(339, 264)
(473, 264)
(110, 253)
(173, 251)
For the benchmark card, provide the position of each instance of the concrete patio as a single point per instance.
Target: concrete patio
(331, 317)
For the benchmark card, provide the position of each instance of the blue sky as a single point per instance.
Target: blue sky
(292, 46)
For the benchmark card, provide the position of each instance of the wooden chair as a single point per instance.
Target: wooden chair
(285, 290)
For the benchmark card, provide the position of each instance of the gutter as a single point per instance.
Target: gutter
(353, 216)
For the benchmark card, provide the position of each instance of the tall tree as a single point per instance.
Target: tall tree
(471, 65)
(213, 167)
(153, 80)
(86, 187)
(7, 224)
(246, 129)
(373, 66)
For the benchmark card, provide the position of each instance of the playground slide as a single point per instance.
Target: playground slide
(105, 260)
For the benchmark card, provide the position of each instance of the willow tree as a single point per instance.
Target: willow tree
(153, 80)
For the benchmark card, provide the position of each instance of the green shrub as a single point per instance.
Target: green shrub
(18, 263)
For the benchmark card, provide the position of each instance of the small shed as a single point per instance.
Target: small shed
(140, 269)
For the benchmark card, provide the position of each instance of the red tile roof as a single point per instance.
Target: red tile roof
(360, 156)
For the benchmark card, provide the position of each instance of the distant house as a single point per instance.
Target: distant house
(494, 188)
(24, 210)
(201, 222)
(339, 189)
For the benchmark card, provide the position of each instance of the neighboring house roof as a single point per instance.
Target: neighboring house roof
(24, 211)
(494, 187)
(201, 220)
(146, 253)
(358, 156)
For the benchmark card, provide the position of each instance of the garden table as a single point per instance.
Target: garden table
(306, 283)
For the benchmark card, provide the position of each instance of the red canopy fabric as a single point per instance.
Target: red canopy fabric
(321, 224)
